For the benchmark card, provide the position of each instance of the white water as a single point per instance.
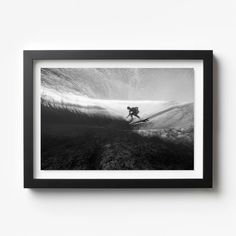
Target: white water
(114, 107)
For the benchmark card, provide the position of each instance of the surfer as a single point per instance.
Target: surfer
(133, 111)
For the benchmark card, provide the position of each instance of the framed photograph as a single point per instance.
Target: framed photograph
(118, 119)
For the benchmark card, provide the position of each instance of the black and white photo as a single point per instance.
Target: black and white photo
(117, 118)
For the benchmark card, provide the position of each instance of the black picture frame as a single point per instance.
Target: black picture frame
(205, 55)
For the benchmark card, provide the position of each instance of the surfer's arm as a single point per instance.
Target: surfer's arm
(129, 114)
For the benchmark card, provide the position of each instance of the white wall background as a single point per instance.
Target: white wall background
(123, 24)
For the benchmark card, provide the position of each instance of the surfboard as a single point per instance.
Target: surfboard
(139, 121)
